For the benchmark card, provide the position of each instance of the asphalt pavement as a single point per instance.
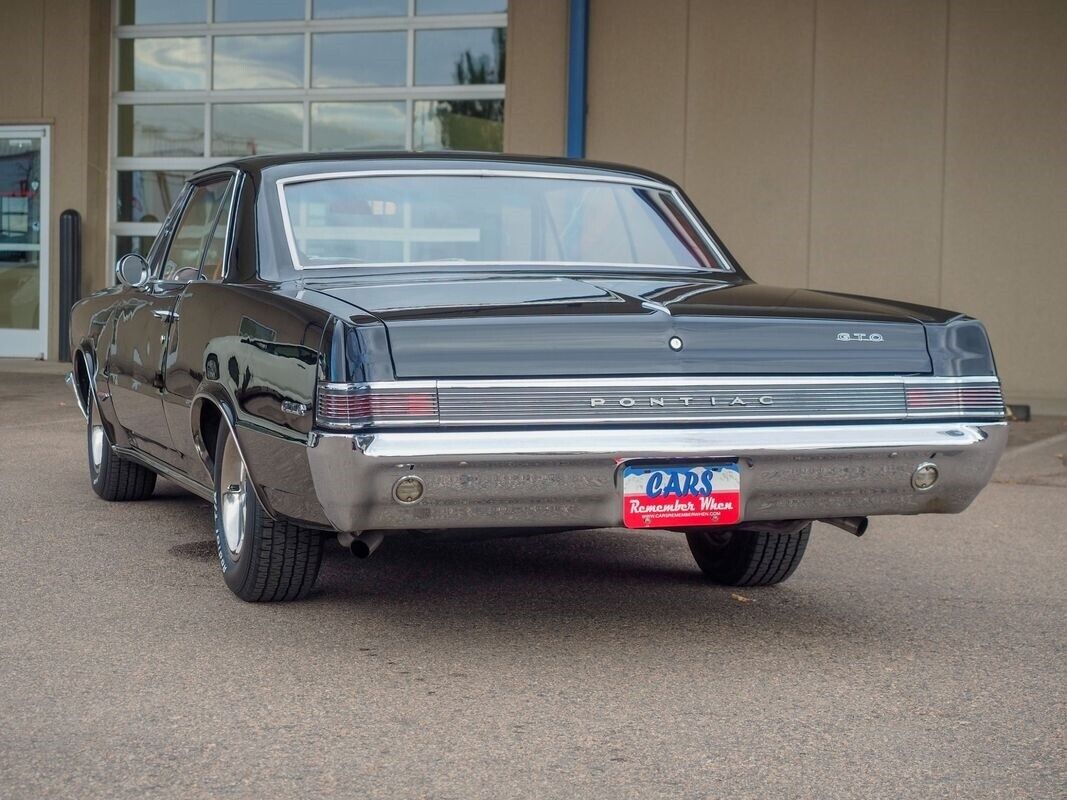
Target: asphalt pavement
(925, 660)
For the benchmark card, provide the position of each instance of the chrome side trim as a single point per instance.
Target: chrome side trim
(693, 381)
(227, 418)
(71, 382)
(402, 386)
(167, 471)
(724, 263)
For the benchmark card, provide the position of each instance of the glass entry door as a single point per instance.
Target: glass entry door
(24, 160)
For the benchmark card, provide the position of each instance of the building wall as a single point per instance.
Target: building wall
(535, 108)
(915, 150)
(52, 56)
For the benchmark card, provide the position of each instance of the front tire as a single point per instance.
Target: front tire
(113, 477)
(748, 558)
(263, 559)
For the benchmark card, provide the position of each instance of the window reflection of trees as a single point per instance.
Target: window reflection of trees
(456, 117)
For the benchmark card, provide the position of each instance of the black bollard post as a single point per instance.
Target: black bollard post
(70, 274)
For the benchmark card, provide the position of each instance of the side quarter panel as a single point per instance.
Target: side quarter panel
(254, 350)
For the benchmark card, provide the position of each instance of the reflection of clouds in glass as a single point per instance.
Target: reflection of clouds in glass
(259, 62)
(161, 130)
(336, 9)
(245, 129)
(252, 10)
(460, 6)
(357, 126)
(154, 12)
(359, 59)
(165, 64)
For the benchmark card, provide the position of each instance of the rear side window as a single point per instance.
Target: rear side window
(195, 236)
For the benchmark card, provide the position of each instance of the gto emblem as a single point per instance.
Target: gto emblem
(860, 337)
(682, 400)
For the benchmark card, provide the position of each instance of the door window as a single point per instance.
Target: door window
(196, 231)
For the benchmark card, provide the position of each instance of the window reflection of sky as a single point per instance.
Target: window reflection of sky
(256, 10)
(429, 7)
(161, 130)
(259, 62)
(357, 126)
(339, 9)
(163, 64)
(156, 12)
(377, 58)
(246, 129)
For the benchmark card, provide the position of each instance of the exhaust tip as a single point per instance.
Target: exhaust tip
(363, 546)
(857, 526)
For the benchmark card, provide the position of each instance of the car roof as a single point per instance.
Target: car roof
(294, 164)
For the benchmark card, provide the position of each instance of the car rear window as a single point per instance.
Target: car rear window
(491, 219)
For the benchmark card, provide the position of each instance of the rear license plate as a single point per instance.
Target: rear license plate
(681, 496)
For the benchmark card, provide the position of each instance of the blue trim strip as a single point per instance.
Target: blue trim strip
(577, 60)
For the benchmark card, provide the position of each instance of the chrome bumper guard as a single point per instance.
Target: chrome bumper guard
(570, 478)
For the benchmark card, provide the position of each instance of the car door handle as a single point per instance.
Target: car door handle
(164, 313)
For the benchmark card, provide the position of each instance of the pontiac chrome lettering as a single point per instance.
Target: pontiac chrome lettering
(687, 401)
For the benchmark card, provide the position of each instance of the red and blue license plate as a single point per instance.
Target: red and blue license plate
(681, 496)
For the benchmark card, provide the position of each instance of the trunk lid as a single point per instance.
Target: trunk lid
(523, 325)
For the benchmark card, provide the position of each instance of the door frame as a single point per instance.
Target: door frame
(31, 343)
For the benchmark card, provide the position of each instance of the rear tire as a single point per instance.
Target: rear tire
(113, 477)
(748, 558)
(263, 559)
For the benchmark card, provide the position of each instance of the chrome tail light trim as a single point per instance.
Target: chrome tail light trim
(599, 401)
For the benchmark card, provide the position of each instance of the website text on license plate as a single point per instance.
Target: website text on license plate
(681, 496)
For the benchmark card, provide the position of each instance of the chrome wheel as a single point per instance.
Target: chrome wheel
(233, 498)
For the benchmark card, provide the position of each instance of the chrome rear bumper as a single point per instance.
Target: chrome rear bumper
(569, 478)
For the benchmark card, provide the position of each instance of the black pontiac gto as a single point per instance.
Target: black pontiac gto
(342, 345)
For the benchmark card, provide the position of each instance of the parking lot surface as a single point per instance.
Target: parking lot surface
(926, 659)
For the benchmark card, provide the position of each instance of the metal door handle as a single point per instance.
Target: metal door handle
(164, 313)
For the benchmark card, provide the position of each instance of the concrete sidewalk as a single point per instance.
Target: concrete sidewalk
(32, 366)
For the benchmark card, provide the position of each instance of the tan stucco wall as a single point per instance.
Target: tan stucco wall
(535, 108)
(53, 59)
(913, 150)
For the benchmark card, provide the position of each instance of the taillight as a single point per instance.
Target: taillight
(976, 399)
(363, 405)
